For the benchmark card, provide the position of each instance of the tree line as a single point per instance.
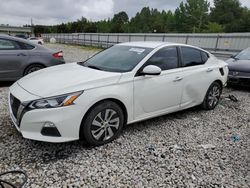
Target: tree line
(192, 16)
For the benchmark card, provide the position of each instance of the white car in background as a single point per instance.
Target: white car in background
(36, 40)
(126, 83)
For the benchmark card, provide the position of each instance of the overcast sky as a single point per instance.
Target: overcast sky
(47, 12)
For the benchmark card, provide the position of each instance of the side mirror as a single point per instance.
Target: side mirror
(151, 70)
(233, 56)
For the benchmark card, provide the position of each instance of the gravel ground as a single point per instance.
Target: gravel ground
(192, 148)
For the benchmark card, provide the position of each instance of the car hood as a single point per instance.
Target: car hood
(66, 78)
(239, 65)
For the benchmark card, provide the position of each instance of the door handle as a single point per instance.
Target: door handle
(177, 79)
(209, 70)
(21, 54)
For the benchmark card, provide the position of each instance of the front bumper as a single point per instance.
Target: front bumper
(31, 123)
(238, 80)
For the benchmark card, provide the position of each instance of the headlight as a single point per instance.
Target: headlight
(54, 102)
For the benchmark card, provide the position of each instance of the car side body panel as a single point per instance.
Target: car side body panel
(197, 79)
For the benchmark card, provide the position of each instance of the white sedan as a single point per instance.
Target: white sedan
(126, 83)
(36, 40)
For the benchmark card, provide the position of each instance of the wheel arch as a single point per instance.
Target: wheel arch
(32, 64)
(219, 82)
(117, 101)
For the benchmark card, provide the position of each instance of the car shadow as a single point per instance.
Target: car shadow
(52, 152)
(145, 124)
(239, 88)
(6, 83)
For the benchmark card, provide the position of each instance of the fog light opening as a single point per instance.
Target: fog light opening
(50, 129)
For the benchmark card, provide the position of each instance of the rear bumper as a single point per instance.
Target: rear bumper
(54, 62)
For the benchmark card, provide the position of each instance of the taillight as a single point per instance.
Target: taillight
(58, 54)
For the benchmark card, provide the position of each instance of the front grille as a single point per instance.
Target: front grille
(239, 74)
(14, 103)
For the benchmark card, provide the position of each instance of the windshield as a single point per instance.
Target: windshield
(118, 58)
(243, 55)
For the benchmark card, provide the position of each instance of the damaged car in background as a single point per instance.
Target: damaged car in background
(239, 68)
(124, 84)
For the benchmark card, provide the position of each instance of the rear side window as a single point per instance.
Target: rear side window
(26, 46)
(165, 58)
(193, 57)
(204, 56)
(8, 45)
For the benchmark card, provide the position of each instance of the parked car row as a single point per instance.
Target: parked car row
(126, 83)
(36, 40)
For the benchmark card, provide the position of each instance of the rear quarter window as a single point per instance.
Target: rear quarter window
(204, 56)
(26, 46)
(193, 57)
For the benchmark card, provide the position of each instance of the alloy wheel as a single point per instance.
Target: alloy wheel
(105, 125)
(33, 69)
(214, 96)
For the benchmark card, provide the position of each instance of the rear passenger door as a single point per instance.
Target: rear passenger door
(197, 75)
(12, 56)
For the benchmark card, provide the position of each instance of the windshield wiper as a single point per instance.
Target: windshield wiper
(83, 63)
(235, 58)
(93, 67)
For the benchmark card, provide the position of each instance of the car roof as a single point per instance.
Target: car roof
(155, 44)
(17, 39)
(12, 37)
(144, 44)
(38, 47)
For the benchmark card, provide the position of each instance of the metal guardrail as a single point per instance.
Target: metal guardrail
(216, 43)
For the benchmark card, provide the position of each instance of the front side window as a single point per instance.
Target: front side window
(192, 57)
(166, 58)
(8, 45)
(118, 58)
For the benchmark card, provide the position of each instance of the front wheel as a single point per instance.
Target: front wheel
(212, 97)
(103, 123)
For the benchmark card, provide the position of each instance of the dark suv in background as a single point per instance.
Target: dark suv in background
(239, 68)
(19, 57)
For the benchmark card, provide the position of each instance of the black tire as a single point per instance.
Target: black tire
(97, 129)
(32, 68)
(212, 97)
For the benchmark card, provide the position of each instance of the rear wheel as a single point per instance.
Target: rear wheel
(212, 97)
(103, 123)
(33, 68)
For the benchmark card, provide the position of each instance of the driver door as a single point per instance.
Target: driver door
(156, 95)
